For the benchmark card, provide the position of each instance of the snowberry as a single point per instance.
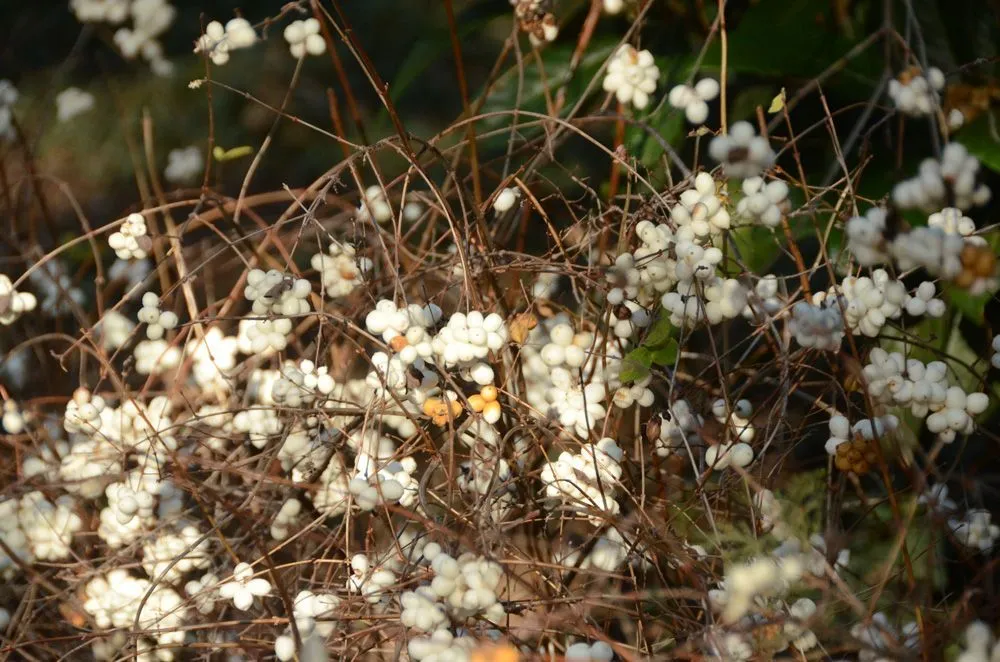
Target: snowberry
(976, 530)
(763, 203)
(631, 76)
(243, 587)
(183, 164)
(304, 37)
(72, 102)
(916, 94)
(694, 100)
(506, 200)
(953, 176)
(13, 304)
(742, 152)
(701, 212)
(340, 269)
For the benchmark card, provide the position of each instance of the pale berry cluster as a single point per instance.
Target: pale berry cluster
(763, 202)
(917, 94)
(925, 390)
(13, 303)
(304, 38)
(131, 242)
(243, 586)
(736, 450)
(586, 481)
(341, 270)
(219, 41)
(375, 205)
(976, 530)
(950, 181)
(693, 100)
(631, 76)
(700, 211)
(157, 321)
(313, 622)
(742, 152)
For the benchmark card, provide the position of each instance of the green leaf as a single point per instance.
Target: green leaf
(982, 138)
(970, 306)
(793, 40)
(758, 246)
(636, 364)
(659, 332)
(509, 92)
(666, 355)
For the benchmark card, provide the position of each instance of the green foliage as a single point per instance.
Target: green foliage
(659, 347)
(875, 542)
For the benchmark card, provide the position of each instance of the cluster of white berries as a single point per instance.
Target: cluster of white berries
(273, 292)
(302, 384)
(631, 76)
(468, 338)
(980, 644)
(678, 426)
(925, 390)
(975, 530)
(304, 38)
(157, 321)
(462, 588)
(952, 221)
(586, 481)
(869, 303)
(131, 242)
(340, 269)
(114, 600)
(693, 100)
(375, 205)
(13, 303)
(370, 579)
(35, 528)
(742, 152)
(694, 303)
(170, 555)
(764, 301)
(219, 41)
(819, 325)
(150, 19)
(917, 94)
(243, 587)
(598, 651)
(736, 453)
(393, 483)
(879, 637)
(405, 330)
(995, 352)
(700, 210)
(312, 614)
(841, 430)
(938, 183)
(763, 202)
(761, 577)
(72, 102)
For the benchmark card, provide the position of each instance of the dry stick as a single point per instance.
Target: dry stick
(174, 238)
(724, 39)
(258, 157)
(463, 89)
(338, 66)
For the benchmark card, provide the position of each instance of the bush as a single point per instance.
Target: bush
(610, 330)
